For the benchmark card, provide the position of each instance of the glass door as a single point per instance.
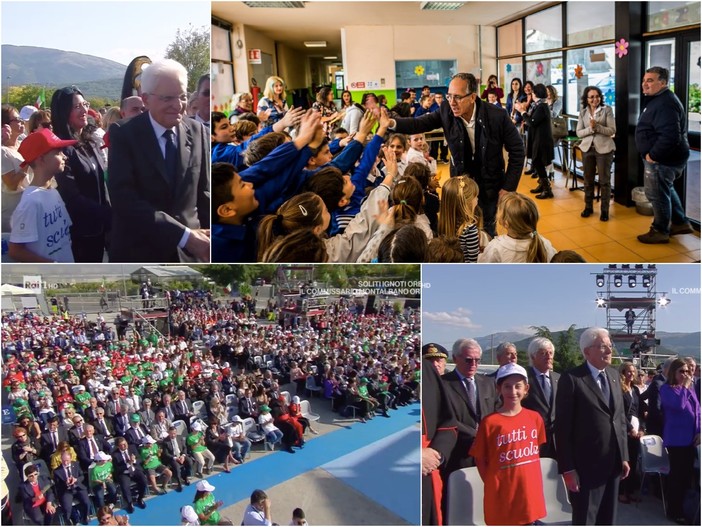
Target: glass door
(694, 74)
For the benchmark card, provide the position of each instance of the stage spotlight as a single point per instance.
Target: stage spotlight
(632, 281)
(599, 280)
(626, 266)
(646, 280)
(601, 302)
(663, 301)
(618, 280)
(638, 266)
(612, 266)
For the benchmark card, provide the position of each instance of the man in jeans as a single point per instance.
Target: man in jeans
(661, 139)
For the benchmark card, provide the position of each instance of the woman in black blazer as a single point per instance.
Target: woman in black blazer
(538, 120)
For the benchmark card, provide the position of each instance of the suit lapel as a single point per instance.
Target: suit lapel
(185, 147)
(153, 148)
(592, 385)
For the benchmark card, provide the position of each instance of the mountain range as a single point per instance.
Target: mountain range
(683, 344)
(55, 68)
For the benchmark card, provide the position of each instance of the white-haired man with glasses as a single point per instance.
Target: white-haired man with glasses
(591, 432)
(159, 176)
(476, 132)
(472, 397)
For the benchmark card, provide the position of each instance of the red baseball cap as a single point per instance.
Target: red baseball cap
(39, 143)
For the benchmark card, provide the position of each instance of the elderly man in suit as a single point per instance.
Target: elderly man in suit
(159, 176)
(591, 432)
(506, 353)
(68, 479)
(89, 446)
(471, 396)
(128, 470)
(102, 425)
(175, 456)
(543, 385)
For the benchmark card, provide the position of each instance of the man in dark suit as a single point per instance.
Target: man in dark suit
(136, 432)
(90, 445)
(591, 432)
(543, 386)
(506, 353)
(471, 395)
(120, 421)
(182, 408)
(438, 435)
(51, 438)
(175, 457)
(247, 405)
(159, 176)
(69, 487)
(128, 470)
(77, 431)
(102, 425)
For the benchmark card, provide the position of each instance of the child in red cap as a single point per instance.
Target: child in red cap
(41, 227)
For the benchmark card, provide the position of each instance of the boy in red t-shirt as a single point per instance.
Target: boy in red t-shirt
(506, 452)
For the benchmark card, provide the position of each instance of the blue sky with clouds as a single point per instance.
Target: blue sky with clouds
(478, 300)
(117, 31)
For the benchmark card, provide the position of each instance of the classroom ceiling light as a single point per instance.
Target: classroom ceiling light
(276, 4)
(315, 43)
(441, 6)
(330, 58)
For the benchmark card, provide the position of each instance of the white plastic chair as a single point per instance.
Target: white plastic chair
(654, 460)
(199, 409)
(306, 411)
(251, 431)
(311, 386)
(180, 427)
(465, 498)
(287, 397)
(231, 400)
(558, 508)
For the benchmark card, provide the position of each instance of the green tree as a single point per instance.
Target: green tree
(542, 331)
(191, 48)
(567, 353)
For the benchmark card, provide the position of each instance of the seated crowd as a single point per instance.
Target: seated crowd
(99, 415)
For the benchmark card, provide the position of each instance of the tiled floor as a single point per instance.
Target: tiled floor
(610, 242)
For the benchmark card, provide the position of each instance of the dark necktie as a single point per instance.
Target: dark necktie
(68, 471)
(546, 386)
(604, 386)
(470, 386)
(54, 440)
(93, 448)
(171, 156)
(176, 450)
(183, 408)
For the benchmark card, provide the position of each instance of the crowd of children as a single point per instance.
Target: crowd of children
(290, 193)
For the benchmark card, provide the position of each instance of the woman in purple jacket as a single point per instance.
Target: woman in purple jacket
(681, 434)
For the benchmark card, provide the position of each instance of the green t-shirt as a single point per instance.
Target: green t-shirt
(100, 473)
(194, 442)
(153, 461)
(203, 505)
(83, 399)
(363, 391)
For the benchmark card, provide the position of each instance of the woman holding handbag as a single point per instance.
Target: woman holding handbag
(596, 128)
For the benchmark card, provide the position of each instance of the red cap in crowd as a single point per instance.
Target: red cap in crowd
(39, 143)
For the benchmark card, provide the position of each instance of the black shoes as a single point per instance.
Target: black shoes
(538, 190)
(545, 194)
(529, 172)
(130, 508)
(140, 503)
(586, 213)
(604, 215)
